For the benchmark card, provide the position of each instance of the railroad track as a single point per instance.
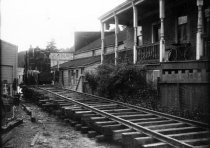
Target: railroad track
(131, 125)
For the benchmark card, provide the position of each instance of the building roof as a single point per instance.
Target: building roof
(119, 9)
(82, 62)
(83, 38)
(109, 40)
(8, 43)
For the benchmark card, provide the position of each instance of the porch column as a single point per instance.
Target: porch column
(102, 42)
(135, 25)
(199, 39)
(116, 38)
(162, 40)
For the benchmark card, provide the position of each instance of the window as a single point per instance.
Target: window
(155, 32)
(82, 70)
(182, 33)
(73, 76)
(77, 73)
(69, 77)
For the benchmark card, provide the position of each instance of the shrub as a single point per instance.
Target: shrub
(126, 83)
(91, 79)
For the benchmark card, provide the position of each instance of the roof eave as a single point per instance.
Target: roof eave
(119, 9)
(110, 14)
(82, 66)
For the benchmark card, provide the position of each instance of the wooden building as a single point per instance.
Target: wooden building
(171, 39)
(173, 46)
(57, 58)
(8, 66)
(71, 73)
(87, 57)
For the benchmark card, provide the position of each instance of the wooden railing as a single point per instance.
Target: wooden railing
(148, 52)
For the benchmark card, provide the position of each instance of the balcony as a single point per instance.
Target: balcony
(148, 53)
(179, 52)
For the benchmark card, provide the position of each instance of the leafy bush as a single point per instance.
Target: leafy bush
(91, 79)
(126, 83)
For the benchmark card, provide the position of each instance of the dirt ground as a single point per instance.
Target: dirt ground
(49, 132)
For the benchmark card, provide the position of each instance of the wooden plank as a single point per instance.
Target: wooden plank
(96, 119)
(83, 112)
(127, 138)
(118, 110)
(99, 127)
(135, 116)
(144, 140)
(72, 106)
(106, 123)
(117, 134)
(149, 119)
(156, 122)
(105, 106)
(178, 130)
(190, 141)
(73, 110)
(108, 128)
(157, 145)
(85, 116)
(44, 100)
(125, 113)
(192, 135)
(102, 123)
(164, 126)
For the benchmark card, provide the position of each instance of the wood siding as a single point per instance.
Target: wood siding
(8, 61)
(7, 73)
(184, 86)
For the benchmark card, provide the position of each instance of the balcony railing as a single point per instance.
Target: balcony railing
(148, 52)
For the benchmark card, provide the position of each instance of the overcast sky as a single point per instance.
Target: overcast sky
(36, 22)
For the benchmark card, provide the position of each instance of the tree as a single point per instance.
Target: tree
(38, 59)
(51, 47)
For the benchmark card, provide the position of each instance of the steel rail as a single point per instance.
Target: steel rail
(139, 128)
